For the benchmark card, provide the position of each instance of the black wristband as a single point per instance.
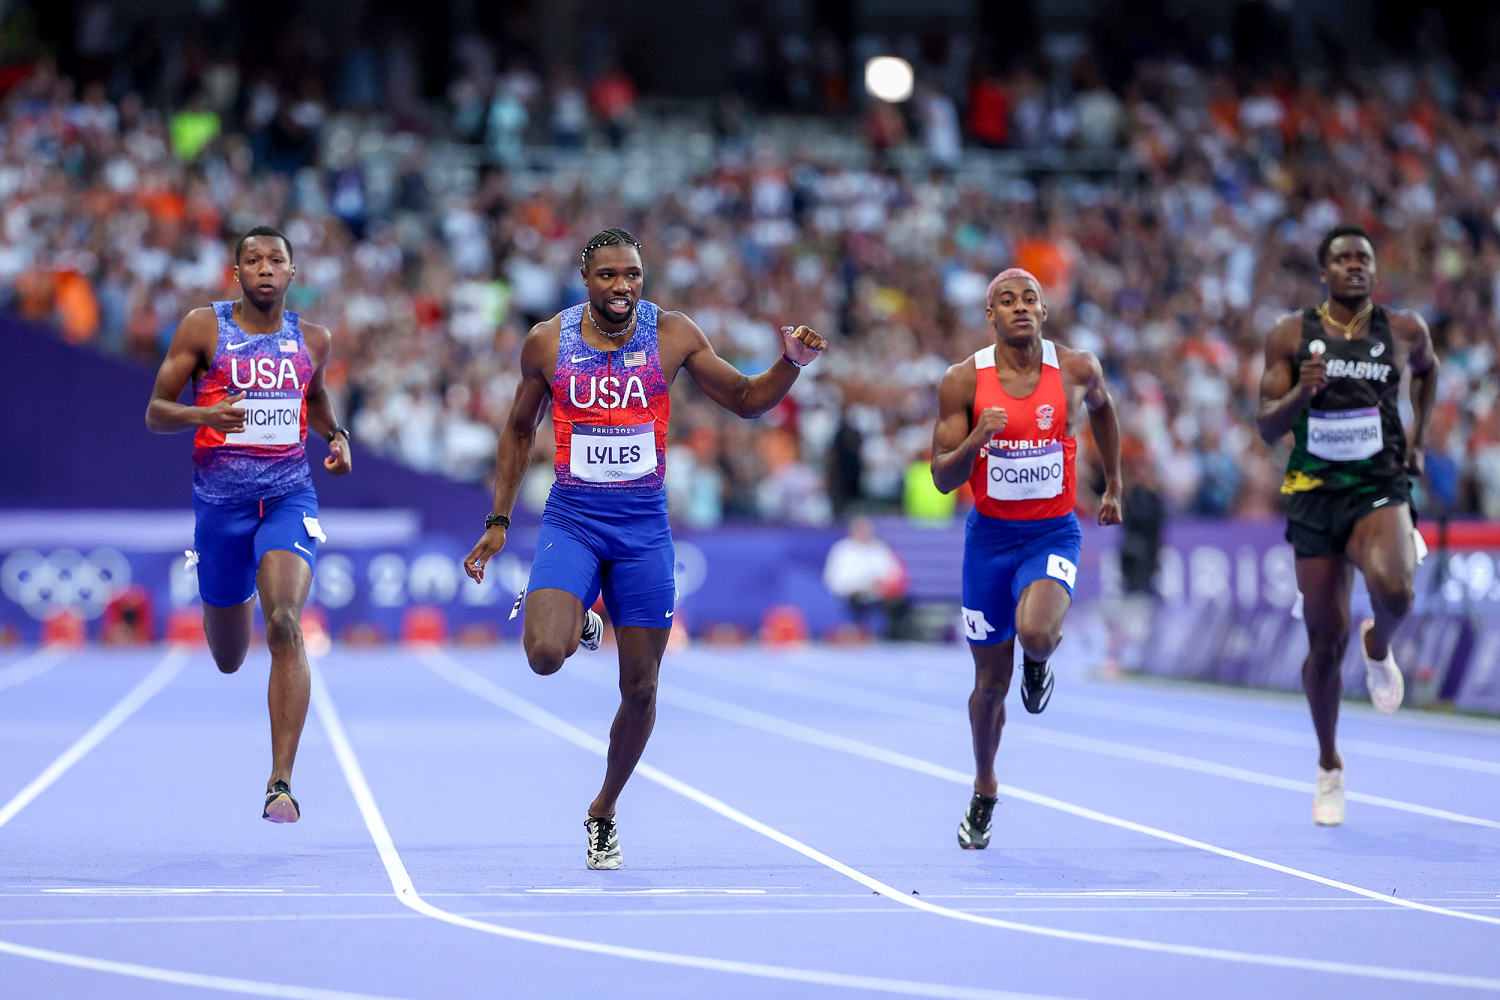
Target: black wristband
(336, 431)
(789, 361)
(497, 520)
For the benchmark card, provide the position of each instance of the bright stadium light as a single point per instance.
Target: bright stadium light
(889, 78)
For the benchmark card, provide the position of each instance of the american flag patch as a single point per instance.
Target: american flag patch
(288, 346)
(633, 359)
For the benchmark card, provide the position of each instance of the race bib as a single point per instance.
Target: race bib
(1344, 435)
(271, 418)
(612, 454)
(1026, 473)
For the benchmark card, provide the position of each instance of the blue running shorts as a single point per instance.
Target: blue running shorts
(232, 538)
(618, 544)
(1004, 557)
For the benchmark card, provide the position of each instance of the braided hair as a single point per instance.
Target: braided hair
(611, 237)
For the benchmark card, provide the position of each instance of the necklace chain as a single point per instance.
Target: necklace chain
(605, 333)
(1348, 329)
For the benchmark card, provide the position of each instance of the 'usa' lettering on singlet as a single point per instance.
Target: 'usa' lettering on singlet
(264, 373)
(608, 392)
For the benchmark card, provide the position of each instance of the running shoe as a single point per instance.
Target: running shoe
(1328, 803)
(1382, 677)
(593, 631)
(280, 806)
(604, 842)
(974, 831)
(1036, 686)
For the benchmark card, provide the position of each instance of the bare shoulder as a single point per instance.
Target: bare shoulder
(539, 349)
(1287, 325)
(678, 327)
(200, 321)
(1079, 366)
(1408, 324)
(319, 339)
(961, 377)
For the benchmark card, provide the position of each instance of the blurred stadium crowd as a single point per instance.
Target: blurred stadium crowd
(1172, 216)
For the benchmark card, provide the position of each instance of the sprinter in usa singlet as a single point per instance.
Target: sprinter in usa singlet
(257, 373)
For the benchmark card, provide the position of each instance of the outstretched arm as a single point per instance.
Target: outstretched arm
(1423, 362)
(517, 436)
(191, 351)
(740, 394)
(1106, 428)
(321, 419)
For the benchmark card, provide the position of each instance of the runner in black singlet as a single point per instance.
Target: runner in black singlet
(1332, 378)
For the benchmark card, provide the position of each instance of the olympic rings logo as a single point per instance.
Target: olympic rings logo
(64, 580)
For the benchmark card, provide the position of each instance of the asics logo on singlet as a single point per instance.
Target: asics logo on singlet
(607, 392)
(264, 373)
(1368, 370)
(1377, 350)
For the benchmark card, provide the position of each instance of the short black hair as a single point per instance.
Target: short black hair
(611, 237)
(262, 231)
(1343, 229)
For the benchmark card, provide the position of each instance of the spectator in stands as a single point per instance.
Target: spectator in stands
(864, 571)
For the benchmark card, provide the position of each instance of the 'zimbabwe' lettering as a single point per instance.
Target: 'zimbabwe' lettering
(1369, 370)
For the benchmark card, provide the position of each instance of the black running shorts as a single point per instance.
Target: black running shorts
(1319, 522)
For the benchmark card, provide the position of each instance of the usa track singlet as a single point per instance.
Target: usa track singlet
(1350, 435)
(610, 409)
(268, 458)
(1027, 474)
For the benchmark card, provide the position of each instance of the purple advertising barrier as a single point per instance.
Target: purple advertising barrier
(377, 566)
(1479, 689)
(1227, 611)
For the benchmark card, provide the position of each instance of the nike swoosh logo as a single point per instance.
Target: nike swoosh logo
(574, 361)
(669, 614)
(298, 545)
(236, 347)
(1381, 502)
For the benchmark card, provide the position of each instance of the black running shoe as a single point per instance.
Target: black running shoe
(1036, 686)
(974, 831)
(604, 843)
(280, 806)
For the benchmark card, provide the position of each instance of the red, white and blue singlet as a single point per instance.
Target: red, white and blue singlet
(610, 409)
(605, 528)
(1026, 473)
(1022, 528)
(268, 458)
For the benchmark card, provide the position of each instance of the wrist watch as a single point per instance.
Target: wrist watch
(494, 520)
(340, 429)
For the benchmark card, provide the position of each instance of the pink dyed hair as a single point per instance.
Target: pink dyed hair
(1006, 275)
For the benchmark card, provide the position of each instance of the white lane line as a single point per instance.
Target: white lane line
(112, 720)
(875, 908)
(35, 665)
(1100, 708)
(227, 984)
(838, 693)
(449, 669)
(406, 892)
(807, 734)
(922, 678)
(127, 706)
